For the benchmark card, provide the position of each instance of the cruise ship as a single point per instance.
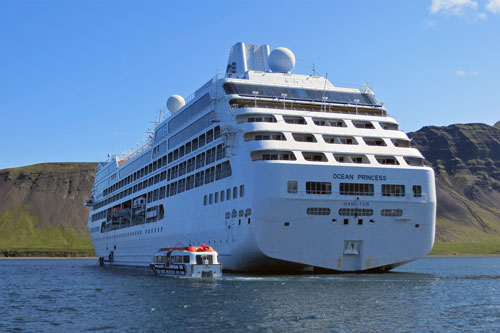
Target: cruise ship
(279, 172)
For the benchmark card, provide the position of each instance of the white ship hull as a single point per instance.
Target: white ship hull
(261, 241)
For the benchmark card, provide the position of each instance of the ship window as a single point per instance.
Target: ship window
(181, 151)
(264, 155)
(345, 140)
(200, 160)
(216, 197)
(294, 120)
(314, 156)
(173, 188)
(374, 141)
(175, 172)
(217, 132)
(223, 170)
(401, 143)
(199, 177)
(356, 189)
(210, 136)
(210, 155)
(182, 168)
(318, 211)
(190, 164)
(390, 190)
(176, 154)
(189, 182)
(414, 161)
(329, 122)
(228, 194)
(389, 126)
(292, 186)
(188, 147)
(255, 118)
(181, 186)
(300, 137)
(210, 198)
(201, 140)
(355, 212)
(222, 196)
(221, 151)
(170, 159)
(242, 191)
(391, 212)
(344, 97)
(209, 175)
(387, 160)
(194, 144)
(417, 191)
(235, 192)
(362, 124)
(318, 188)
(259, 136)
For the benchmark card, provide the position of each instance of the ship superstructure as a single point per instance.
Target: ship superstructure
(276, 171)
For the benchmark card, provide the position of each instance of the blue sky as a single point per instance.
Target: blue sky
(81, 79)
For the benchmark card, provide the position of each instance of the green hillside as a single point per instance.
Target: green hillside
(42, 212)
(466, 159)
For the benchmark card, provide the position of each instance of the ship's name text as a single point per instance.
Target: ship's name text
(350, 176)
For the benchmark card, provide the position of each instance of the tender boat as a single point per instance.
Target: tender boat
(191, 261)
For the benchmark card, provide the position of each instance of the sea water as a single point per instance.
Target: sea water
(431, 295)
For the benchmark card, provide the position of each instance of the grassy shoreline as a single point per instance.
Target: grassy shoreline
(46, 253)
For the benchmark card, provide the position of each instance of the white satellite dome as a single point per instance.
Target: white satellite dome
(175, 102)
(281, 60)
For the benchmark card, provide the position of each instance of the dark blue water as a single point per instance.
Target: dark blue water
(432, 294)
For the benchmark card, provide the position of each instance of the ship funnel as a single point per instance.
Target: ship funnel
(247, 57)
(175, 102)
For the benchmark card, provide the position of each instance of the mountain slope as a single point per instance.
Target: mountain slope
(466, 159)
(41, 207)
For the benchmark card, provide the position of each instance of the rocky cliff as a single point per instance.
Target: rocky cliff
(41, 208)
(466, 159)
